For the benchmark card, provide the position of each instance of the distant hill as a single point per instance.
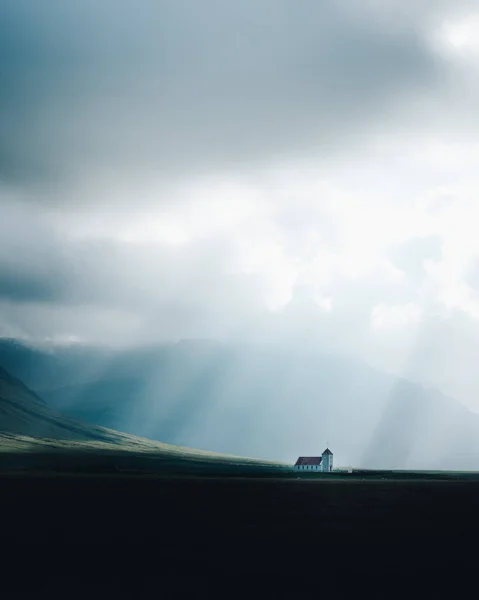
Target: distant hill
(254, 400)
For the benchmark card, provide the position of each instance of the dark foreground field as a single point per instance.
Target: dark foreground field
(173, 532)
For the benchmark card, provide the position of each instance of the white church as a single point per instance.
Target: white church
(323, 463)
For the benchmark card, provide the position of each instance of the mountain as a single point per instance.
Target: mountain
(255, 400)
(22, 412)
(32, 434)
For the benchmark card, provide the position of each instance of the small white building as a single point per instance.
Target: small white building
(323, 463)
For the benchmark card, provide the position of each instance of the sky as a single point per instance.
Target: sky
(260, 170)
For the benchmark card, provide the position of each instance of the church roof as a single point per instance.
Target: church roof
(308, 460)
(327, 451)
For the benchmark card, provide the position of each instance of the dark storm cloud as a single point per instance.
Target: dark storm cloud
(89, 87)
(20, 286)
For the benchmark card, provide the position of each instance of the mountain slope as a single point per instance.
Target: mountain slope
(28, 425)
(23, 412)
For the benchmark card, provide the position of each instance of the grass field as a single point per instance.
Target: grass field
(138, 456)
(171, 530)
(273, 508)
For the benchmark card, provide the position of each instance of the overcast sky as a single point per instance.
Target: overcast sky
(261, 170)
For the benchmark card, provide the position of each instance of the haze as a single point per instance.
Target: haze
(303, 174)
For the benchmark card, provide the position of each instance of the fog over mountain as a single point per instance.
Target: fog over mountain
(266, 401)
(260, 174)
(33, 436)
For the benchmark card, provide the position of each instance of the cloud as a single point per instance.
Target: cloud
(29, 254)
(251, 171)
(412, 255)
(88, 91)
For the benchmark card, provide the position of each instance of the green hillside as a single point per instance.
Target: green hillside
(34, 435)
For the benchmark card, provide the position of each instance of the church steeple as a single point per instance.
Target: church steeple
(327, 461)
